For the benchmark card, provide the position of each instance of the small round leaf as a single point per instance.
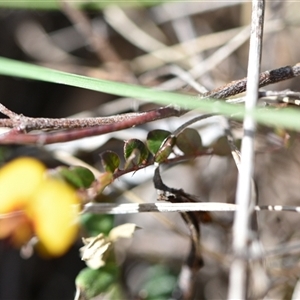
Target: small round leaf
(159, 283)
(221, 147)
(110, 161)
(93, 223)
(94, 282)
(189, 141)
(135, 152)
(79, 177)
(155, 138)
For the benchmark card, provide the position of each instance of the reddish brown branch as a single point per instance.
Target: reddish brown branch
(70, 135)
(26, 123)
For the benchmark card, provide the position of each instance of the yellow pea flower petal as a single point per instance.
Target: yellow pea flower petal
(9, 225)
(50, 207)
(53, 211)
(18, 181)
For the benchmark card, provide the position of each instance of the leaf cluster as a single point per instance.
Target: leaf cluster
(157, 149)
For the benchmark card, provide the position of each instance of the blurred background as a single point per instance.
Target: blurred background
(156, 46)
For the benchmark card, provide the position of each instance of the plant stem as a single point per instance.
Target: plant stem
(244, 193)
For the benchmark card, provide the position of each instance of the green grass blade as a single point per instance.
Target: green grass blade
(15, 68)
(285, 118)
(81, 4)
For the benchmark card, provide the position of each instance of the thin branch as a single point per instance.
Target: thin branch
(28, 123)
(187, 278)
(7, 112)
(186, 282)
(192, 121)
(70, 135)
(265, 78)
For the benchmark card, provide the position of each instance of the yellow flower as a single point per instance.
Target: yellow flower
(32, 203)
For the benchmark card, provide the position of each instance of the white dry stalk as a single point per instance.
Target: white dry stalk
(219, 55)
(238, 270)
(133, 208)
(296, 292)
(118, 20)
(196, 46)
(161, 13)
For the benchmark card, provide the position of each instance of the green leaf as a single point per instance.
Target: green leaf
(165, 150)
(189, 141)
(160, 283)
(94, 282)
(155, 139)
(135, 152)
(79, 177)
(95, 224)
(110, 161)
(86, 176)
(221, 147)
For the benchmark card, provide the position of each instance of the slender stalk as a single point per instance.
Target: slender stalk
(134, 208)
(244, 194)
